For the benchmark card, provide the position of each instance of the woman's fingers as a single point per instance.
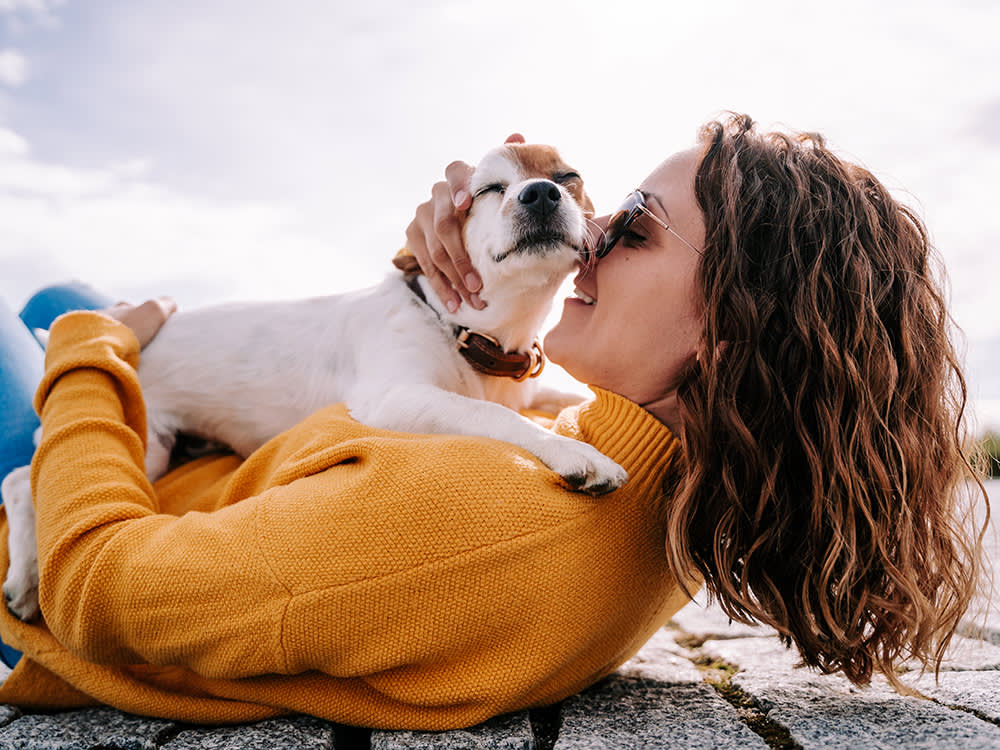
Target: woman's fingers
(457, 175)
(435, 239)
(449, 232)
(422, 242)
(448, 251)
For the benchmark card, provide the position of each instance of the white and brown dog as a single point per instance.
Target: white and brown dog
(465, 373)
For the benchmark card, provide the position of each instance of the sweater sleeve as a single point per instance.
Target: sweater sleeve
(113, 569)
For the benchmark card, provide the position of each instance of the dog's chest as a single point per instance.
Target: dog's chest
(422, 351)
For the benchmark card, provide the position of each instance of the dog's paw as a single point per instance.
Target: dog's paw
(583, 467)
(20, 590)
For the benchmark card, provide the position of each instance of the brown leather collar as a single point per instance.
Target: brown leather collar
(485, 354)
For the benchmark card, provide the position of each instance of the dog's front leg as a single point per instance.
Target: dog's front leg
(423, 408)
(552, 401)
(159, 444)
(20, 589)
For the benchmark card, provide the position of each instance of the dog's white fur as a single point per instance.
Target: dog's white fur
(242, 373)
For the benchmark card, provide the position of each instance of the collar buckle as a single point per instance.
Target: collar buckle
(485, 354)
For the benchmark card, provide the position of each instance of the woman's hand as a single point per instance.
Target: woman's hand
(146, 319)
(435, 237)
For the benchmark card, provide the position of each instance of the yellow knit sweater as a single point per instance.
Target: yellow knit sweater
(364, 576)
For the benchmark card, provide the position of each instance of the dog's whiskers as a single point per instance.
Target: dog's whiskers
(590, 244)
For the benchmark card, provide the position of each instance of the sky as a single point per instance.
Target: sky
(245, 149)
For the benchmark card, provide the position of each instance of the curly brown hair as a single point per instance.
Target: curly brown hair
(824, 435)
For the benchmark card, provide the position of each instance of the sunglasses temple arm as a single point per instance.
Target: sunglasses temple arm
(671, 230)
(668, 228)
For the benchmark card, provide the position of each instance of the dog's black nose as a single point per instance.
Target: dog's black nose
(541, 197)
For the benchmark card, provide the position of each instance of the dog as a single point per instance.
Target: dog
(469, 372)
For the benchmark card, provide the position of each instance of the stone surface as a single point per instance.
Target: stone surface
(966, 654)
(101, 728)
(512, 732)
(699, 618)
(8, 714)
(632, 712)
(827, 711)
(978, 692)
(983, 620)
(661, 660)
(769, 655)
(300, 733)
(823, 719)
(758, 655)
(657, 699)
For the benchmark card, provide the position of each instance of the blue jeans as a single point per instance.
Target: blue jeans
(21, 365)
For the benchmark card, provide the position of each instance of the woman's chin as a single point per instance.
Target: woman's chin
(566, 343)
(551, 344)
(560, 350)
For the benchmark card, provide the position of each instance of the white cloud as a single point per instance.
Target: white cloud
(21, 16)
(132, 237)
(12, 145)
(13, 68)
(34, 6)
(41, 10)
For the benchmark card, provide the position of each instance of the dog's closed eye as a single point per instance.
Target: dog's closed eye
(493, 187)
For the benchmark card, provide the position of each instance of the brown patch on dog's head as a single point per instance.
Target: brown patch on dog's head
(539, 160)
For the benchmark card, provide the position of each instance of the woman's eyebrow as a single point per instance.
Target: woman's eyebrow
(654, 197)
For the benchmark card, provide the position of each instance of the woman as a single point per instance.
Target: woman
(770, 363)
(821, 402)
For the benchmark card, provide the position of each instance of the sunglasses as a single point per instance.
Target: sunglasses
(633, 207)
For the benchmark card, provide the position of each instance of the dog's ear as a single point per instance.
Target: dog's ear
(406, 261)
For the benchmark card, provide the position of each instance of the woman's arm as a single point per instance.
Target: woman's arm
(119, 581)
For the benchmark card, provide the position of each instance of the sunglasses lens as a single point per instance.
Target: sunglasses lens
(613, 232)
(619, 222)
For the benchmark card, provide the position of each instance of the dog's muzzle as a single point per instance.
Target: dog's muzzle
(540, 198)
(540, 222)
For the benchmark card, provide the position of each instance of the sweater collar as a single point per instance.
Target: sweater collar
(626, 433)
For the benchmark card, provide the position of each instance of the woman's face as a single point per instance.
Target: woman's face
(644, 322)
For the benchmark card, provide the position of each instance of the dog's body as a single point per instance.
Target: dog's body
(242, 373)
